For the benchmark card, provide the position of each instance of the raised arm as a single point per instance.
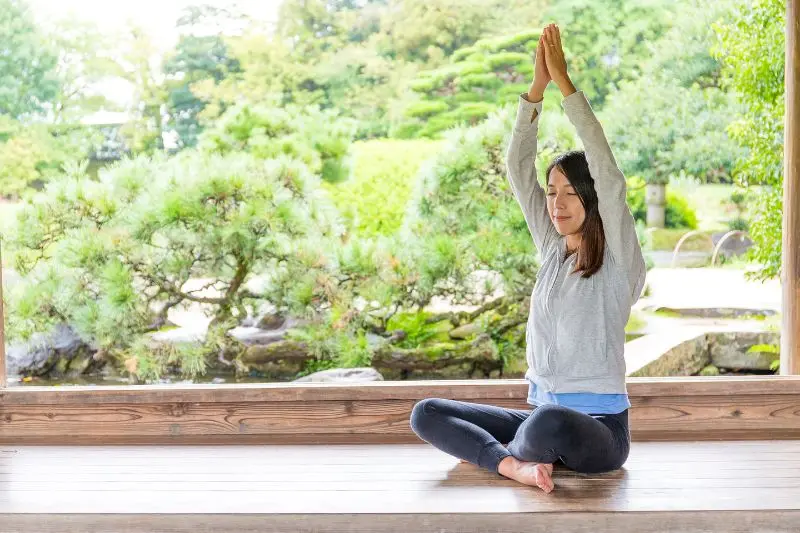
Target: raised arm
(609, 181)
(521, 156)
(521, 170)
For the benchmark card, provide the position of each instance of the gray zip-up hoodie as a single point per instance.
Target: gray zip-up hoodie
(576, 328)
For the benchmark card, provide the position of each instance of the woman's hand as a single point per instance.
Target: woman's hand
(541, 77)
(554, 56)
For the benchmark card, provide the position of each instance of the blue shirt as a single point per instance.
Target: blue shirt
(585, 402)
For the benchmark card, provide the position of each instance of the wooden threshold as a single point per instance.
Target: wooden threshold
(664, 409)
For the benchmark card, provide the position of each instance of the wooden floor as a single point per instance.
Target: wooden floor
(678, 486)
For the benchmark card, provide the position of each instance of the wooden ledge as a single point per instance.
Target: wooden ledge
(467, 390)
(696, 408)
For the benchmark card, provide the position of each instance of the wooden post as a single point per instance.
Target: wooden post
(3, 377)
(790, 271)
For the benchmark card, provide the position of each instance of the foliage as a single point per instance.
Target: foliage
(661, 130)
(607, 41)
(27, 79)
(112, 257)
(373, 200)
(197, 57)
(30, 155)
(752, 50)
(321, 139)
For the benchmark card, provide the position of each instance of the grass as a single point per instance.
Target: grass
(667, 238)
(711, 203)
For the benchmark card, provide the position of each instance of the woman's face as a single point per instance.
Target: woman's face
(563, 204)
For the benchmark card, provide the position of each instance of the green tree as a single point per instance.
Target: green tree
(27, 65)
(661, 130)
(197, 56)
(607, 40)
(141, 67)
(111, 257)
(479, 79)
(45, 90)
(321, 139)
(84, 60)
(752, 49)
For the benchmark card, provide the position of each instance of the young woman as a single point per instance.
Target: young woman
(592, 272)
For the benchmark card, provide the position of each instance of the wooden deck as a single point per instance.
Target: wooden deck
(678, 486)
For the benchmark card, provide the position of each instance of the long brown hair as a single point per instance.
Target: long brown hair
(593, 239)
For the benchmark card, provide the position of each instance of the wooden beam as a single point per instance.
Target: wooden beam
(790, 271)
(691, 408)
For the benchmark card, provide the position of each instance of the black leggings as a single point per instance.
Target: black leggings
(547, 434)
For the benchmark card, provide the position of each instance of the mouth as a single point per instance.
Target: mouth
(561, 219)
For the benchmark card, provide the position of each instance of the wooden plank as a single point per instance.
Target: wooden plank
(388, 479)
(467, 390)
(721, 486)
(663, 409)
(568, 522)
(790, 270)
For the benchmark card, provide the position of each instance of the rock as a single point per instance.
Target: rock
(342, 375)
(374, 341)
(275, 331)
(733, 245)
(713, 312)
(179, 335)
(466, 331)
(256, 336)
(279, 360)
(685, 359)
(731, 350)
(60, 353)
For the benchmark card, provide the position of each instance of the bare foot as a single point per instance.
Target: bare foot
(527, 473)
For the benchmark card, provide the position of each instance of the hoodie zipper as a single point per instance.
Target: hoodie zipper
(550, 311)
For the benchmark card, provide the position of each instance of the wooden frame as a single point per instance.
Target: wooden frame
(790, 272)
(670, 408)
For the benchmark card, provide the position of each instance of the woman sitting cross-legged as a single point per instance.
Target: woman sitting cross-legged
(592, 272)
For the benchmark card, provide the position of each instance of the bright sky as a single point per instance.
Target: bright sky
(156, 16)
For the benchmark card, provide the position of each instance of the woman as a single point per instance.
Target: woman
(592, 272)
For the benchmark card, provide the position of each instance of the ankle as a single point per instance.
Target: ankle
(507, 466)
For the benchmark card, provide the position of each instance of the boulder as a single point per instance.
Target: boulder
(58, 353)
(733, 350)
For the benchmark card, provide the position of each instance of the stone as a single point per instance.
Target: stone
(733, 245)
(712, 312)
(732, 350)
(61, 352)
(342, 375)
(196, 335)
(685, 359)
(274, 331)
